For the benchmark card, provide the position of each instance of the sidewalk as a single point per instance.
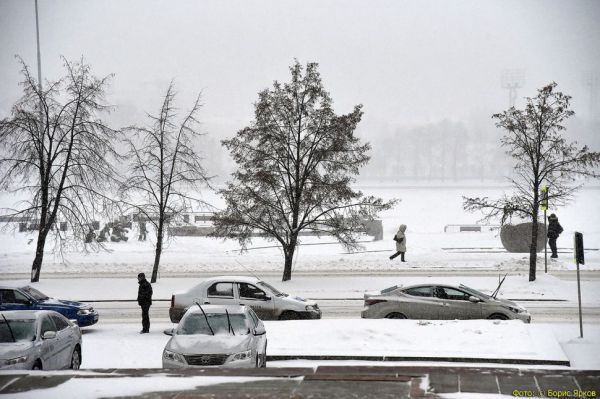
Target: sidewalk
(322, 382)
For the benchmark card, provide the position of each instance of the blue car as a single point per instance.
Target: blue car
(28, 298)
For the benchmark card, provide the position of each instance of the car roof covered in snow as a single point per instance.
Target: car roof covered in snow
(25, 314)
(12, 285)
(234, 279)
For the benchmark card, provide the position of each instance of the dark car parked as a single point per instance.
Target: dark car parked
(28, 298)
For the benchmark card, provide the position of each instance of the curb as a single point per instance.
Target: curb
(536, 362)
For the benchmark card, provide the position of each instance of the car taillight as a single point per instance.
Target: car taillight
(370, 302)
(172, 301)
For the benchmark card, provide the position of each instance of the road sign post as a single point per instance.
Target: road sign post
(579, 259)
(544, 207)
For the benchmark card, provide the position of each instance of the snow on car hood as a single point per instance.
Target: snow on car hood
(10, 350)
(296, 300)
(506, 302)
(208, 344)
(60, 302)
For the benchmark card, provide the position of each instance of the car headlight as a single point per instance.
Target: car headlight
(173, 356)
(16, 360)
(86, 311)
(312, 307)
(241, 356)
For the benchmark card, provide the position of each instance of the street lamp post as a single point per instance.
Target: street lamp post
(39, 56)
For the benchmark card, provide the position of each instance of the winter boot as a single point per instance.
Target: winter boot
(394, 255)
(402, 257)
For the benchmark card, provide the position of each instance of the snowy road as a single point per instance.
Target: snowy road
(542, 312)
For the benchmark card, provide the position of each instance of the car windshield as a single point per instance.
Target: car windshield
(474, 291)
(22, 330)
(195, 323)
(269, 287)
(38, 296)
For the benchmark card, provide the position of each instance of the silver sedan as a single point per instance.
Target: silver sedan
(217, 335)
(439, 302)
(38, 340)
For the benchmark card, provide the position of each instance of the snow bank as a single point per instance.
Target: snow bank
(120, 345)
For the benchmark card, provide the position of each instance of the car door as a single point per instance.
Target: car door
(421, 304)
(49, 346)
(457, 304)
(220, 293)
(257, 299)
(64, 342)
(13, 299)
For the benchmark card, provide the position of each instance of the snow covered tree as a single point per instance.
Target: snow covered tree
(55, 150)
(295, 163)
(165, 170)
(534, 138)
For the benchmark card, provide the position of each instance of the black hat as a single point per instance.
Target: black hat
(141, 275)
(552, 217)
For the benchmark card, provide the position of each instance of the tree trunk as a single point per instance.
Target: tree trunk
(36, 267)
(533, 248)
(289, 257)
(158, 251)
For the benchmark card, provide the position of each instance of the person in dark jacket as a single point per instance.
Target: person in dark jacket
(145, 301)
(554, 230)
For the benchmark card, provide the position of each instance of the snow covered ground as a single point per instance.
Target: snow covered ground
(93, 388)
(426, 211)
(119, 345)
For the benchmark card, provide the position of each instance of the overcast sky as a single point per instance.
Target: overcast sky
(407, 62)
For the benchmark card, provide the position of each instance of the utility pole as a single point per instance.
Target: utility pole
(512, 79)
(579, 259)
(592, 81)
(34, 271)
(39, 56)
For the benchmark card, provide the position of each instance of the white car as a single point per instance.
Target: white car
(221, 336)
(268, 302)
(38, 340)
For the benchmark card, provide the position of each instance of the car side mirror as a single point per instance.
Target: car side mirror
(169, 331)
(260, 330)
(474, 299)
(49, 335)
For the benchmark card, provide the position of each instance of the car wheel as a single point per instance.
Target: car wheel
(395, 315)
(37, 365)
(498, 316)
(289, 315)
(264, 358)
(76, 358)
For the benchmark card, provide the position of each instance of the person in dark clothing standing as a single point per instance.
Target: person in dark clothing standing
(145, 301)
(554, 230)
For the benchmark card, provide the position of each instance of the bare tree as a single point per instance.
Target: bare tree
(164, 169)
(534, 138)
(296, 162)
(55, 149)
